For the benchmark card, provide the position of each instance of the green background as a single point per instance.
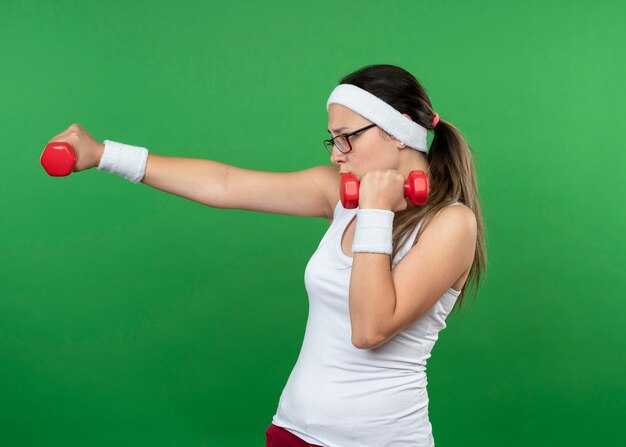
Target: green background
(129, 316)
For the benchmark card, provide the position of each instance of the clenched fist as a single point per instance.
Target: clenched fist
(88, 150)
(382, 190)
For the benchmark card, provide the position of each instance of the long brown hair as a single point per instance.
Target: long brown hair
(450, 160)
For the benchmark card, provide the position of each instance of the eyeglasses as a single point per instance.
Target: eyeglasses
(343, 141)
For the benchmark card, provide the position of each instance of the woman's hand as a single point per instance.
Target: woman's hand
(88, 150)
(383, 190)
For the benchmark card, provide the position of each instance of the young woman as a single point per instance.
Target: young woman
(385, 275)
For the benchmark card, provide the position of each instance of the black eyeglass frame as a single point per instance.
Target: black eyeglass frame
(331, 142)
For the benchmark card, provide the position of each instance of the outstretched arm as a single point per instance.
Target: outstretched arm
(311, 192)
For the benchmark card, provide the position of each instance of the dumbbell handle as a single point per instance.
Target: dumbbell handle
(415, 189)
(58, 159)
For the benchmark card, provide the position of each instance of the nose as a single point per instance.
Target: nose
(337, 156)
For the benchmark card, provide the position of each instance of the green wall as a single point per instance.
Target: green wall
(129, 316)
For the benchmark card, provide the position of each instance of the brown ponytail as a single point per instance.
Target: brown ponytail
(450, 160)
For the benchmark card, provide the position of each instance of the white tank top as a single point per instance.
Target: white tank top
(340, 396)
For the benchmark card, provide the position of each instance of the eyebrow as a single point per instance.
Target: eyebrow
(338, 129)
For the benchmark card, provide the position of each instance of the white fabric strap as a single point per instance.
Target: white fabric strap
(125, 160)
(373, 232)
(376, 110)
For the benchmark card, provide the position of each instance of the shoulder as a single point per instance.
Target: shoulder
(327, 180)
(461, 214)
(454, 224)
(441, 256)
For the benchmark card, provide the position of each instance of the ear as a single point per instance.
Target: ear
(402, 145)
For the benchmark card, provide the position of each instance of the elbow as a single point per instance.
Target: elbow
(361, 342)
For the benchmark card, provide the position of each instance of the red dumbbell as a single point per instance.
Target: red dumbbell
(415, 189)
(58, 159)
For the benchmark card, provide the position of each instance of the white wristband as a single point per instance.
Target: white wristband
(373, 232)
(125, 160)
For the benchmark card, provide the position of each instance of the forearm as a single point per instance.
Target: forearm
(203, 181)
(372, 296)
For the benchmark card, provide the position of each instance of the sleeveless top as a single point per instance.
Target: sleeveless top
(340, 396)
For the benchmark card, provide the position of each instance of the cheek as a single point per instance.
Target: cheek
(373, 157)
(381, 160)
